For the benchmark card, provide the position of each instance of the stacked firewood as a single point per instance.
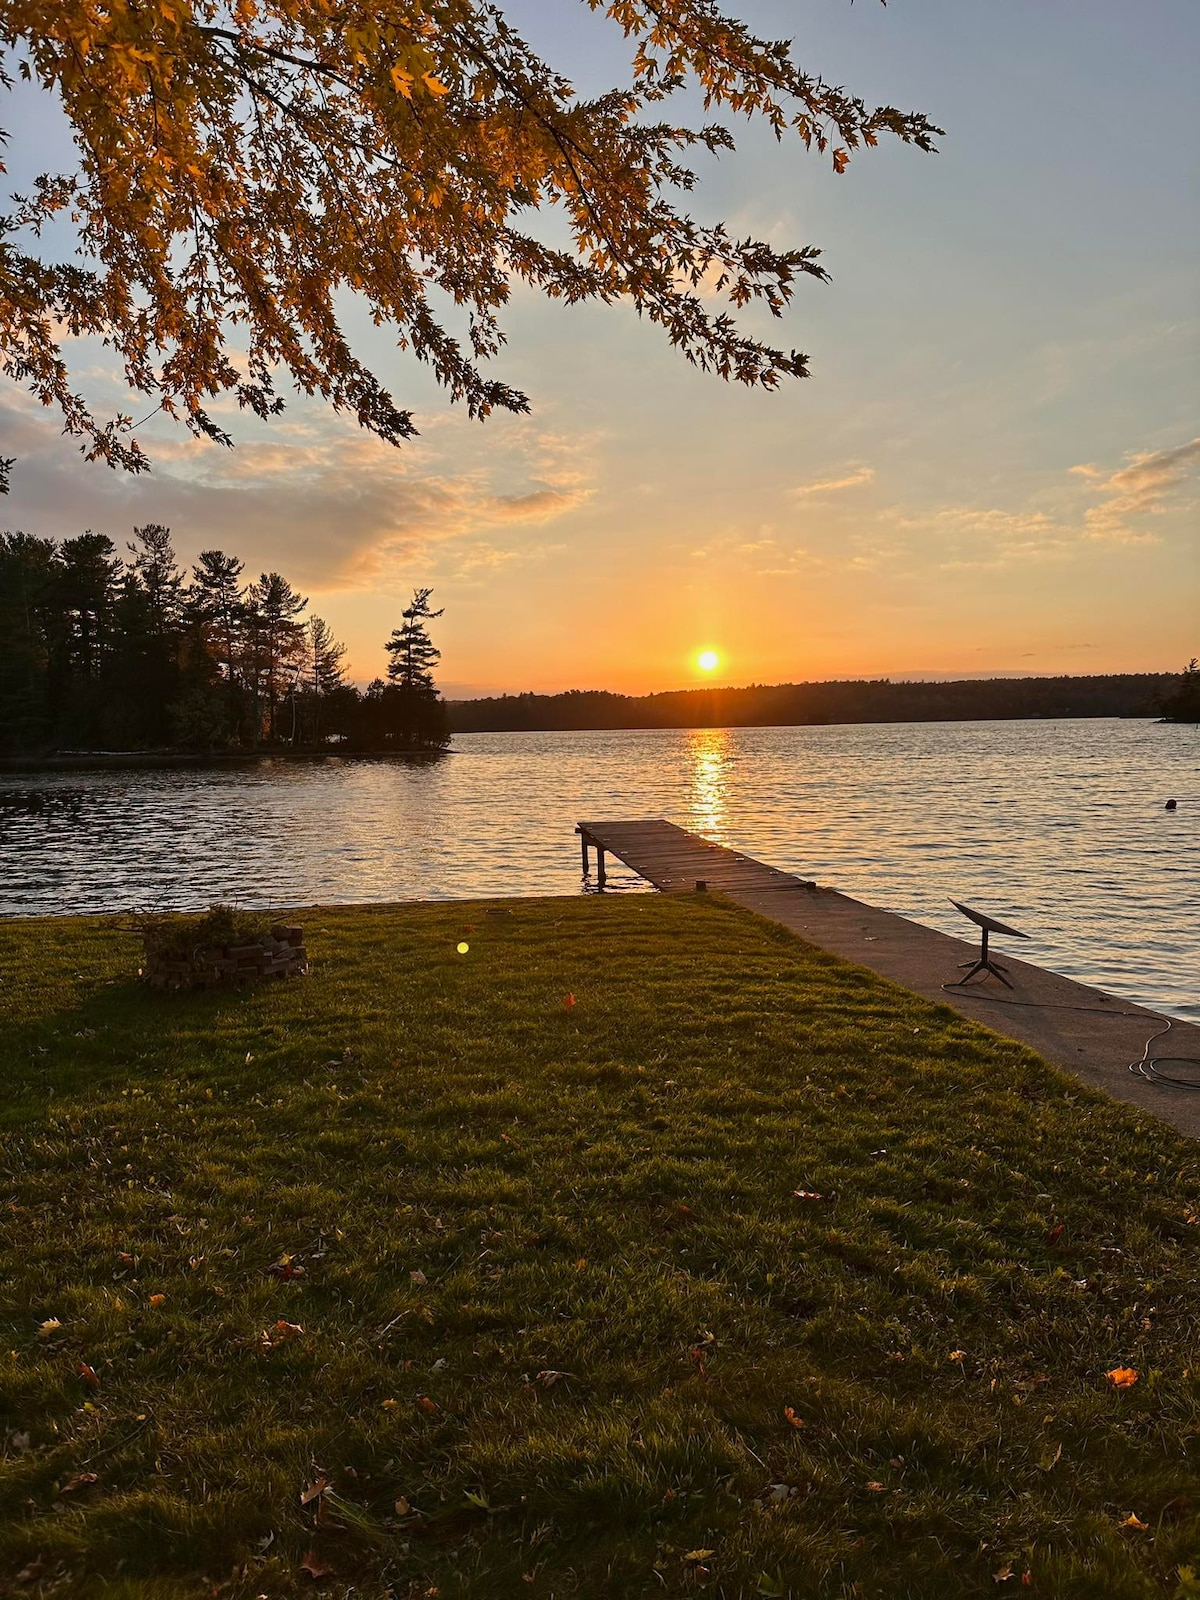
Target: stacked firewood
(281, 955)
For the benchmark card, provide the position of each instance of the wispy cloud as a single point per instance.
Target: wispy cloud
(852, 479)
(329, 505)
(1141, 488)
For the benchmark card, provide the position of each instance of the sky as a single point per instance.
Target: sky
(994, 467)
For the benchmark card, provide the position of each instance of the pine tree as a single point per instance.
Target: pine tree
(27, 570)
(414, 713)
(324, 674)
(215, 595)
(413, 654)
(87, 581)
(274, 648)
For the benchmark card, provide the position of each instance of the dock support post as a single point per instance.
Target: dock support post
(583, 848)
(600, 876)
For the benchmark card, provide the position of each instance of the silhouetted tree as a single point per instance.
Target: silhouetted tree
(27, 576)
(414, 714)
(273, 649)
(1184, 704)
(87, 579)
(322, 677)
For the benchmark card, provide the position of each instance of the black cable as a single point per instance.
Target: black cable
(1148, 1067)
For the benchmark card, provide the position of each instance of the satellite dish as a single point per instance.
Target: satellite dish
(984, 962)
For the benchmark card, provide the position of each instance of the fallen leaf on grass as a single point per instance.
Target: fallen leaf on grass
(807, 1194)
(403, 1509)
(88, 1374)
(49, 1328)
(1004, 1574)
(314, 1491)
(388, 1405)
(957, 1355)
(877, 1487)
(685, 1213)
(549, 1376)
(79, 1480)
(698, 1555)
(317, 1569)
(1134, 1521)
(281, 1333)
(791, 1417)
(569, 1002)
(1056, 1233)
(1122, 1377)
(426, 1404)
(418, 1277)
(157, 1299)
(285, 1269)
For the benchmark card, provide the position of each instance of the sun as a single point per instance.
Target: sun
(708, 661)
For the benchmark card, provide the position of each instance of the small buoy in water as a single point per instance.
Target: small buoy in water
(1170, 805)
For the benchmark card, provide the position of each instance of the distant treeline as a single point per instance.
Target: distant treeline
(792, 704)
(101, 651)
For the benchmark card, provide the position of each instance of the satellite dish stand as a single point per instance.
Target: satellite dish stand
(984, 963)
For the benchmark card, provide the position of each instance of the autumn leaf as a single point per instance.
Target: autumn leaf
(1056, 1233)
(157, 1300)
(791, 1417)
(79, 1480)
(1135, 1522)
(549, 1376)
(281, 1333)
(807, 1194)
(569, 1002)
(877, 1488)
(88, 1374)
(316, 1568)
(1122, 1377)
(1004, 1574)
(698, 1555)
(426, 1404)
(314, 1491)
(285, 1269)
(841, 160)
(49, 1328)
(957, 1355)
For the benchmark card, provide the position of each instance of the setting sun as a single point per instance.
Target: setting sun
(708, 661)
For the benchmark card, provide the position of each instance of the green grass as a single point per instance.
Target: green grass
(483, 1185)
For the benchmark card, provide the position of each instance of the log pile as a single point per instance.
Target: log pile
(282, 955)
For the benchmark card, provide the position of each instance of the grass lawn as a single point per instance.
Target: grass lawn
(408, 1278)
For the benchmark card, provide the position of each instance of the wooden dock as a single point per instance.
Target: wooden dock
(676, 861)
(1090, 1033)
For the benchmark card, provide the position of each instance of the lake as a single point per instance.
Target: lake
(1058, 827)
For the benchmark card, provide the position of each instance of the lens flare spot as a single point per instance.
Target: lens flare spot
(463, 947)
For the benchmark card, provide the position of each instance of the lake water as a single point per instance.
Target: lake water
(1058, 827)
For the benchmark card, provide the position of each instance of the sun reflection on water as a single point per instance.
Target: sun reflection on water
(708, 758)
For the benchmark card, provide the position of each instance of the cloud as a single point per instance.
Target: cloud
(1141, 488)
(852, 480)
(327, 504)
